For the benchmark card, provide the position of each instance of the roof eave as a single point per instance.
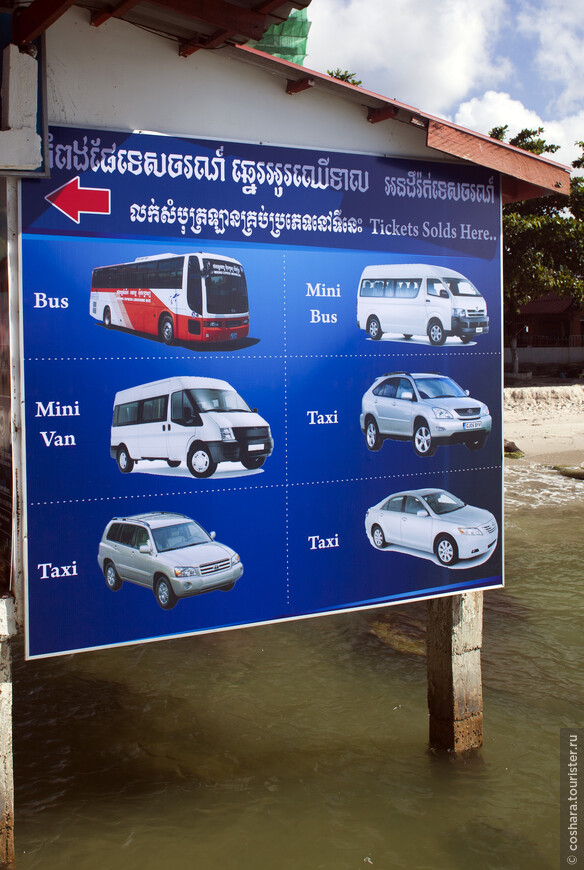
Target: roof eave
(524, 175)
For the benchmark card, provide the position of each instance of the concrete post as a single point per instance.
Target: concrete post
(455, 696)
(7, 630)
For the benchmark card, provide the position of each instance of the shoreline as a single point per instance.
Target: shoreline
(546, 422)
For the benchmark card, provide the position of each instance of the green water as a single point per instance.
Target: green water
(303, 746)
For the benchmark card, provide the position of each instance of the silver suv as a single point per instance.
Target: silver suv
(427, 408)
(168, 553)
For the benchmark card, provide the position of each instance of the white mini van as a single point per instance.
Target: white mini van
(417, 299)
(199, 421)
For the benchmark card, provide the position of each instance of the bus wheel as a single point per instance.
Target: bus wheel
(167, 330)
(125, 461)
(107, 317)
(200, 462)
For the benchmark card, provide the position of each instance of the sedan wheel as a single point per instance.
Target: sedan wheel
(446, 550)
(378, 537)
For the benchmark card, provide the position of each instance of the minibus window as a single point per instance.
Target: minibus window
(182, 409)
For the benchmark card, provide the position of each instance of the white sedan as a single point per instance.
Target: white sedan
(433, 521)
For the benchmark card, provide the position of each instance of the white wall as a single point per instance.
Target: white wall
(119, 77)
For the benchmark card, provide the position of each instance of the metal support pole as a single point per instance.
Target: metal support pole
(455, 696)
(7, 630)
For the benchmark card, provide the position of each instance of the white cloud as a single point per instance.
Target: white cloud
(495, 108)
(558, 25)
(426, 53)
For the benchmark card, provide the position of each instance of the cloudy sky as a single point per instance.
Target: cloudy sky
(479, 63)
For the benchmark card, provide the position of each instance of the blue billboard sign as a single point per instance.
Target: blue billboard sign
(260, 382)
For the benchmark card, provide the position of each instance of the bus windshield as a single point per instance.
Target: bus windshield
(226, 287)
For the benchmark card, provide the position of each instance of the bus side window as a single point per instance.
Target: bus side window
(194, 288)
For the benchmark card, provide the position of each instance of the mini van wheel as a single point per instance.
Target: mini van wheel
(124, 460)
(436, 332)
(112, 578)
(446, 550)
(200, 462)
(252, 462)
(374, 328)
(164, 593)
(373, 439)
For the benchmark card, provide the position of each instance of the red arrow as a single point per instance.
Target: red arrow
(72, 200)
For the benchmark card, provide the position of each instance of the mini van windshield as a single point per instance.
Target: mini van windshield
(219, 400)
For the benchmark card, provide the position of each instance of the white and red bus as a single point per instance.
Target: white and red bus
(191, 297)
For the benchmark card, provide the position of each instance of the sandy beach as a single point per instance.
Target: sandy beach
(546, 422)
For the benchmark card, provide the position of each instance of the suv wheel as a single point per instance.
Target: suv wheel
(422, 440)
(164, 593)
(112, 577)
(372, 437)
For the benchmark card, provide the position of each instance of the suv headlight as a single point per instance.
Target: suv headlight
(469, 530)
(442, 414)
(227, 434)
(235, 559)
(459, 312)
(186, 572)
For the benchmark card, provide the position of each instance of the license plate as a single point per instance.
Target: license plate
(232, 335)
(474, 425)
(253, 447)
(479, 329)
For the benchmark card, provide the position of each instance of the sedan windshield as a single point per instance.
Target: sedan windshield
(442, 502)
(177, 536)
(439, 388)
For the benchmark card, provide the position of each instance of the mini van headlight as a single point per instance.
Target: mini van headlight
(459, 312)
(442, 414)
(227, 434)
(469, 530)
(185, 572)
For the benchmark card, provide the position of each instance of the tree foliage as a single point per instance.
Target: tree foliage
(543, 239)
(344, 76)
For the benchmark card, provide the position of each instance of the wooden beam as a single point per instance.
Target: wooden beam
(484, 151)
(29, 22)
(297, 86)
(118, 11)
(220, 14)
(454, 636)
(374, 116)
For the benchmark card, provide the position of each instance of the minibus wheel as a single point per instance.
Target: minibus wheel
(374, 328)
(200, 462)
(436, 333)
(125, 461)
